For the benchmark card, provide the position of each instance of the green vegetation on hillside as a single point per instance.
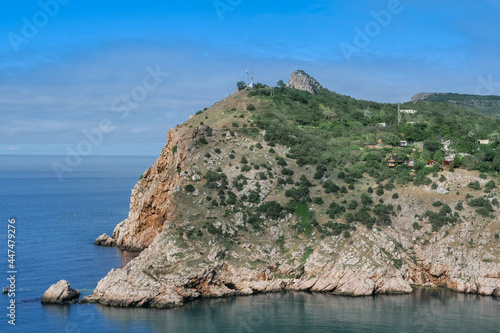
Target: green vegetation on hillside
(331, 161)
(332, 131)
(343, 139)
(488, 105)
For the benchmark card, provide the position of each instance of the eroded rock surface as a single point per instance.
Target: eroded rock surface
(302, 81)
(105, 240)
(60, 293)
(152, 199)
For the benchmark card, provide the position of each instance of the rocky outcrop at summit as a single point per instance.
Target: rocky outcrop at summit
(60, 293)
(302, 81)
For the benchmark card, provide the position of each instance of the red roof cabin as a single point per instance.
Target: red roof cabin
(447, 164)
(394, 160)
(430, 163)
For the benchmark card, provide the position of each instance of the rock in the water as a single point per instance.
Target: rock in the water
(60, 293)
(105, 240)
(302, 81)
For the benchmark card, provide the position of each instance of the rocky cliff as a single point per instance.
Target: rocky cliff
(211, 219)
(302, 81)
(152, 199)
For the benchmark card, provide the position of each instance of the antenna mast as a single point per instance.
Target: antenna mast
(399, 114)
(247, 76)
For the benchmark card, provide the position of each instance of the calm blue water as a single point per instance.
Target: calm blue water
(58, 221)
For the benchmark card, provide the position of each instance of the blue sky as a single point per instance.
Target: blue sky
(65, 65)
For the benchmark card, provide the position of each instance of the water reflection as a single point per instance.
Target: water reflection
(425, 310)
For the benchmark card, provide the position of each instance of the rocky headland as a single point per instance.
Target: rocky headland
(206, 228)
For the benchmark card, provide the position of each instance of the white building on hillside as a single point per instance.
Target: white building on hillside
(409, 111)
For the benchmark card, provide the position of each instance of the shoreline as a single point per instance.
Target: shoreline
(287, 291)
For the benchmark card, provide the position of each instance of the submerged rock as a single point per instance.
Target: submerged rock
(60, 293)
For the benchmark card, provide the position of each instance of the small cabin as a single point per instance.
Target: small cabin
(383, 124)
(430, 163)
(394, 160)
(403, 143)
(447, 165)
(411, 163)
(483, 142)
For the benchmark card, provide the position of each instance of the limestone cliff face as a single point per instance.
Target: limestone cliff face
(138, 284)
(152, 199)
(302, 81)
(178, 266)
(168, 274)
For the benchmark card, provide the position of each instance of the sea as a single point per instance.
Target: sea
(57, 220)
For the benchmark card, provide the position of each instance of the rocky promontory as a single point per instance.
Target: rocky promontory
(152, 199)
(215, 216)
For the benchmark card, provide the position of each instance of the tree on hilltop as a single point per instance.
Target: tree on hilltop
(241, 85)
